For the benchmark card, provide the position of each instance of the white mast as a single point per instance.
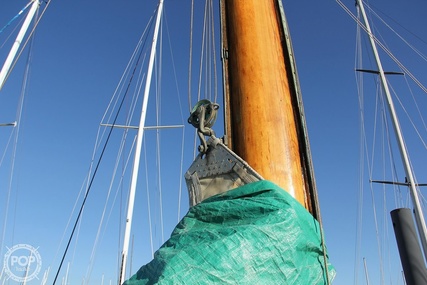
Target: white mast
(419, 216)
(138, 146)
(7, 64)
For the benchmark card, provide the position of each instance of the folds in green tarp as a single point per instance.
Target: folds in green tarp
(254, 234)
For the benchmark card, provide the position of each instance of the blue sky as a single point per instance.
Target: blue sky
(80, 51)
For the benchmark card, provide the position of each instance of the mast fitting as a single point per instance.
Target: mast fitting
(203, 117)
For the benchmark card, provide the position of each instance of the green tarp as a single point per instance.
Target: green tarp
(254, 234)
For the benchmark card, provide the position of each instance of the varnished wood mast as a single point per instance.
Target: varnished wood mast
(265, 122)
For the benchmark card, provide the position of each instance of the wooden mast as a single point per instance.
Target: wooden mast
(264, 125)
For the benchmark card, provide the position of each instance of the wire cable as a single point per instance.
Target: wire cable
(96, 168)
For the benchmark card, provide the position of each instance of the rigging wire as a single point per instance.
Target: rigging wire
(397, 34)
(373, 201)
(407, 83)
(113, 105)
(383, 47)
(69, 221)
(182, 117)
(202, 49)
(150, 226)
(100, 236)
(215, 83)
(180, 175)
(370, 166)
(15, 137)
(16, 16)
(84, 199)
(12, 32)
(97, 165)
(116, 167)
(18, 55)
(421, 55)
(391, 161)
(369, 161)
(207, 60)
(158, 159)
(386, 141)
(191, 56)
(362, 140)
(384, 252)
(158, 72)
(410, 118)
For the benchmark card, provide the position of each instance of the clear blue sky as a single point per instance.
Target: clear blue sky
(80, 51)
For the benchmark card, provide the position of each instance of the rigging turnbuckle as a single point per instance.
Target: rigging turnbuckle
(203, 117)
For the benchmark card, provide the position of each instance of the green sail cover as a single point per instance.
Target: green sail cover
(254, 234)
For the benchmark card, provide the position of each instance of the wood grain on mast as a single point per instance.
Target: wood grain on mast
(262, 124)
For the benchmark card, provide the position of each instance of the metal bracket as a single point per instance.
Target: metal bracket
(217, 171)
